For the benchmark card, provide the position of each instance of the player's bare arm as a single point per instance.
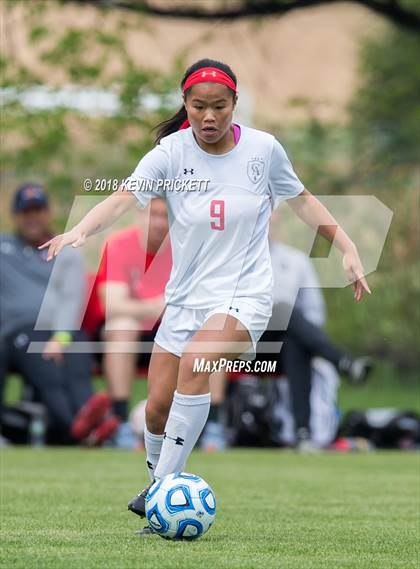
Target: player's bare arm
(312, 212)
(96, 220)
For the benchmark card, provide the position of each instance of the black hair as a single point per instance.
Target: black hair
(172, 125)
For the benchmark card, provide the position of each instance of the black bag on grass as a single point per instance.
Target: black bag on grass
(385, 428)
(251, 420)
(24, 423)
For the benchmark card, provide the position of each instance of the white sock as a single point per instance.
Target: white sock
(186, 420)
(153, 444)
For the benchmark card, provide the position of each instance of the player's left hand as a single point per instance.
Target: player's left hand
(353, 268)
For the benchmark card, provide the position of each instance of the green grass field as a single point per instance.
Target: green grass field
(66, 508)
(63, 508)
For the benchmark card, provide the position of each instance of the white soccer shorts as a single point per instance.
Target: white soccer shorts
(179, 324)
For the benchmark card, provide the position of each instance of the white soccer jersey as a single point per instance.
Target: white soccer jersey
(219, 232)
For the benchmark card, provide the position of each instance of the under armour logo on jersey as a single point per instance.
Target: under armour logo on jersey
(178, 441)
(188, 170)
(232, 308)
(205, 73)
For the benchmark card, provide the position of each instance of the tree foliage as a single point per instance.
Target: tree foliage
(61, 146)
(376, 153)
(403, 13)
(386, 108)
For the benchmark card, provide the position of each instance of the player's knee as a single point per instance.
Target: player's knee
(157, 412)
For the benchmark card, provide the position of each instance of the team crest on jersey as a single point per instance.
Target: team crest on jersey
(255, 170)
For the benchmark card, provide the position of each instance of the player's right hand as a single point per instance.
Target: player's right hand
(74, 237)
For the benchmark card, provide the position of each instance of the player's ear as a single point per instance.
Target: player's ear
(235, 100)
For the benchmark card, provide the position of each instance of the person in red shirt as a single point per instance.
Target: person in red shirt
(135, 267)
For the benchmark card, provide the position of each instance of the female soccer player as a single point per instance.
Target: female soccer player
(219, 296)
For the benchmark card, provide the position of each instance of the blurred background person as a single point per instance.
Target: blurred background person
(298, 316)
(131, 280)
(297, 294)
(60, 381)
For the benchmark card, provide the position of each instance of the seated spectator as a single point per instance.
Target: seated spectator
(42, 302)
(135, 268)
(297, 320)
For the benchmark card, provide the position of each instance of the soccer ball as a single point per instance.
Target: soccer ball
(180, 506)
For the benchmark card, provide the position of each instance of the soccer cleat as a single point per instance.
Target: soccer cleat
(90, 415)
(357, 371)
(304, 444)
(138, 504)
(105, 431)
(307, 447)
(147, 530)
(4, 442)
(213, 438)
(125, 438)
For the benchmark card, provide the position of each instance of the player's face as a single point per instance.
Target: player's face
(33, 223)
(209, 107)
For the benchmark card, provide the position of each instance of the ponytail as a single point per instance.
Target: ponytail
(170, 125)
(173, 124)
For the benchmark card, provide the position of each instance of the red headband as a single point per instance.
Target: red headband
(206, 75)
(209, 74)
